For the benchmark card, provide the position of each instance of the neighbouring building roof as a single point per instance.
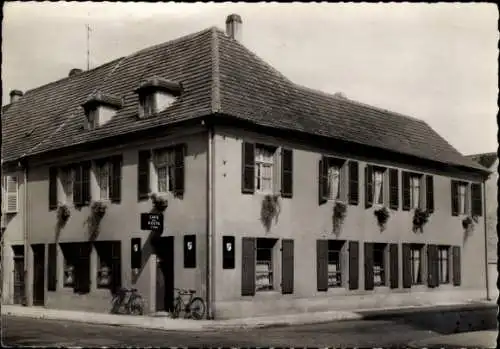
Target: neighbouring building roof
(485, 159)
(218, 75)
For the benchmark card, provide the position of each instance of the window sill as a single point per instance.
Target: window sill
(267, 293)
(382, 289)
(336, 290)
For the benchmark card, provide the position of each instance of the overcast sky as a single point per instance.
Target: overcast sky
(434, 62)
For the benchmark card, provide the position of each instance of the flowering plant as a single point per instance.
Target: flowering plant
(97, 212)
(382, 215)
(420, 218)
(270, 210)
(160, 203)
(339, 214)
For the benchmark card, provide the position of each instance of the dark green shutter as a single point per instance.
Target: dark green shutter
(432, 266)
(52, 268)
(248, 168)
(353, 183)
(116, 270)
(476, 197)
(457, 267)
(322, 264)
(116, 179)
(368, 186)
(77, 186)
(179, 171)
(353, 265)
(86, 166)
(429, 184)
(406, 191)
(454, 198)
(368, 266)
(394, 189)
(394, 265)
(323, 180)
(82, 271)
(287, 266)
(248, 247)
(143, 185)
(407, 266)
(287, 173)
(52, 188)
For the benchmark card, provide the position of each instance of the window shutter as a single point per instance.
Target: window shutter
(457, 267)
(454, 198)
(394, 265)
(248, 168)
(116, 270)
(12, 193)
(429, 185)
(407, 266)
(228, 252)
(353, 183)
(322, 264)
(287, 266)
(180, 173)
(189, 251)
(116, 179)
(406, 191)
(82, 272)
(86, 165)
(248, 247)
(143, 188)
(52, 268)
(476, 198)
(323, 180)
(369, 266)
(432, 275)
(368, 186)
(287, 173)
(394, 189)
(77, 185)
(52, 188)
(353, 265)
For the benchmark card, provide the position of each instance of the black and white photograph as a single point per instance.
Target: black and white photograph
(249, 174)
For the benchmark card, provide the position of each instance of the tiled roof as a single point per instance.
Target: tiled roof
(485, 159)
(218, 74)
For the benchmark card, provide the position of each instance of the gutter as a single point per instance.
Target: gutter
(25, 226)
(488, 297)
(210, 223)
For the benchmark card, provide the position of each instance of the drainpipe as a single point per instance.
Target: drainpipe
(486, 241)
(25, 227)
(210, 223)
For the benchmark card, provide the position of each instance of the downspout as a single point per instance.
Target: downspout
(486, 241)
(210, 223)
(25, 228)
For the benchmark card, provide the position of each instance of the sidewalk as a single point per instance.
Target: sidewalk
(477, 339)
(166, 323)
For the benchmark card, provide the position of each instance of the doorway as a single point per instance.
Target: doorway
(164, 250)
(18, 251)
(38, 274)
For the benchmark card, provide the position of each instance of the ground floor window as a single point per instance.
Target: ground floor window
(444, 265)
(379, 269)
(335, 263)
(264, 265)
(416, 264)
(70, 260)
(104, 264)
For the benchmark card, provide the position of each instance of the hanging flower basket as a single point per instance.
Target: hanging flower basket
(339, 214)
(63, 214)
(160, 203)
(420, 218)
(97, 212)
(382, 215)
(270, 210)
(467, 223)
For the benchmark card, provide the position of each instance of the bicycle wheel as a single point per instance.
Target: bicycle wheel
(197, 308)
(115, 305)
(136, 305)
(177, 308)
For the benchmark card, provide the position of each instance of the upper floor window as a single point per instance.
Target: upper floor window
(156, 94)
(466, 199)
(147, 104)
(378, 181)
(415, 191)
(264, 168)
(462, 198)
(93, 118)
(164, 166)
(103, 174)
(332, 178)
(67, 178)
(10, 194)
(108, 176)
(100, 108)
(374, 185)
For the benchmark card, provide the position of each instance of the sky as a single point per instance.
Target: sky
(435, 62)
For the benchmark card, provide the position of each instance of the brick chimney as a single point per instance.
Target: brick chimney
(15, 95)
(233, 26)
(74, 71)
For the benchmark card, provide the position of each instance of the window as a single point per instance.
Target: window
(379, 264)
(264, 164)
(70, 259)
(443, 262)
(415, 191)
(416, 264)
(104, 264)
(333, 191)
(331, 181)
(165, 167)
(378, 181)
(462, 198)
(148, 104)
(67, 180)
(334, 263)
(93, 117)
(103, 179)
(264, 265)
(11, 194)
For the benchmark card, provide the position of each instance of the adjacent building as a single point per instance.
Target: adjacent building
(276, 198)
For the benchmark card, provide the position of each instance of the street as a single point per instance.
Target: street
(19, 331)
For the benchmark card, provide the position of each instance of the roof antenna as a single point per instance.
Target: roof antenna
(88, 45)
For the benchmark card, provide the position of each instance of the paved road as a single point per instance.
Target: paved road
(17, 331)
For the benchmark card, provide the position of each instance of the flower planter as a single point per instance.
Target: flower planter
(420, 218)
(160, 203)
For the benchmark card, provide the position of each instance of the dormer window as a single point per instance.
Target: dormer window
(156, 94)
(100, 108)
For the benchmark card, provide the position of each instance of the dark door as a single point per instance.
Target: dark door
(164, 249)
(18, 279)
(38, 274)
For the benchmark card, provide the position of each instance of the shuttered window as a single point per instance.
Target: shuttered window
(52, 267)
(287, 173)
(264, 265)
(429, 185)
(248, 249)
(265, 169)
(12, 194)
(394, 265)
(322, 264)
(189, 251)
(109, 271)
(394, 189)
(457, 266)
(416, 264)
(52, 188)
(329, 264)
(287, 266)
(81, 184)
(143, 181)
(476, 200)
(353, 265)
(444, 264)
(353, 183)
(109, 178)
(248, 168)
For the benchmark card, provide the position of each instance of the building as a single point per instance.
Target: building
(276, 198)
(490, 161)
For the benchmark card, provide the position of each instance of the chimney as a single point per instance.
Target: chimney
(74, 71)
(15, 95)
(233, 26)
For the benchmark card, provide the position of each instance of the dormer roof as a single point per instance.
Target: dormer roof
(161, 84)
(100, 98)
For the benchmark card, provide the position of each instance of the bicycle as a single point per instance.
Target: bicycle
(133, 305)
(194, 307)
